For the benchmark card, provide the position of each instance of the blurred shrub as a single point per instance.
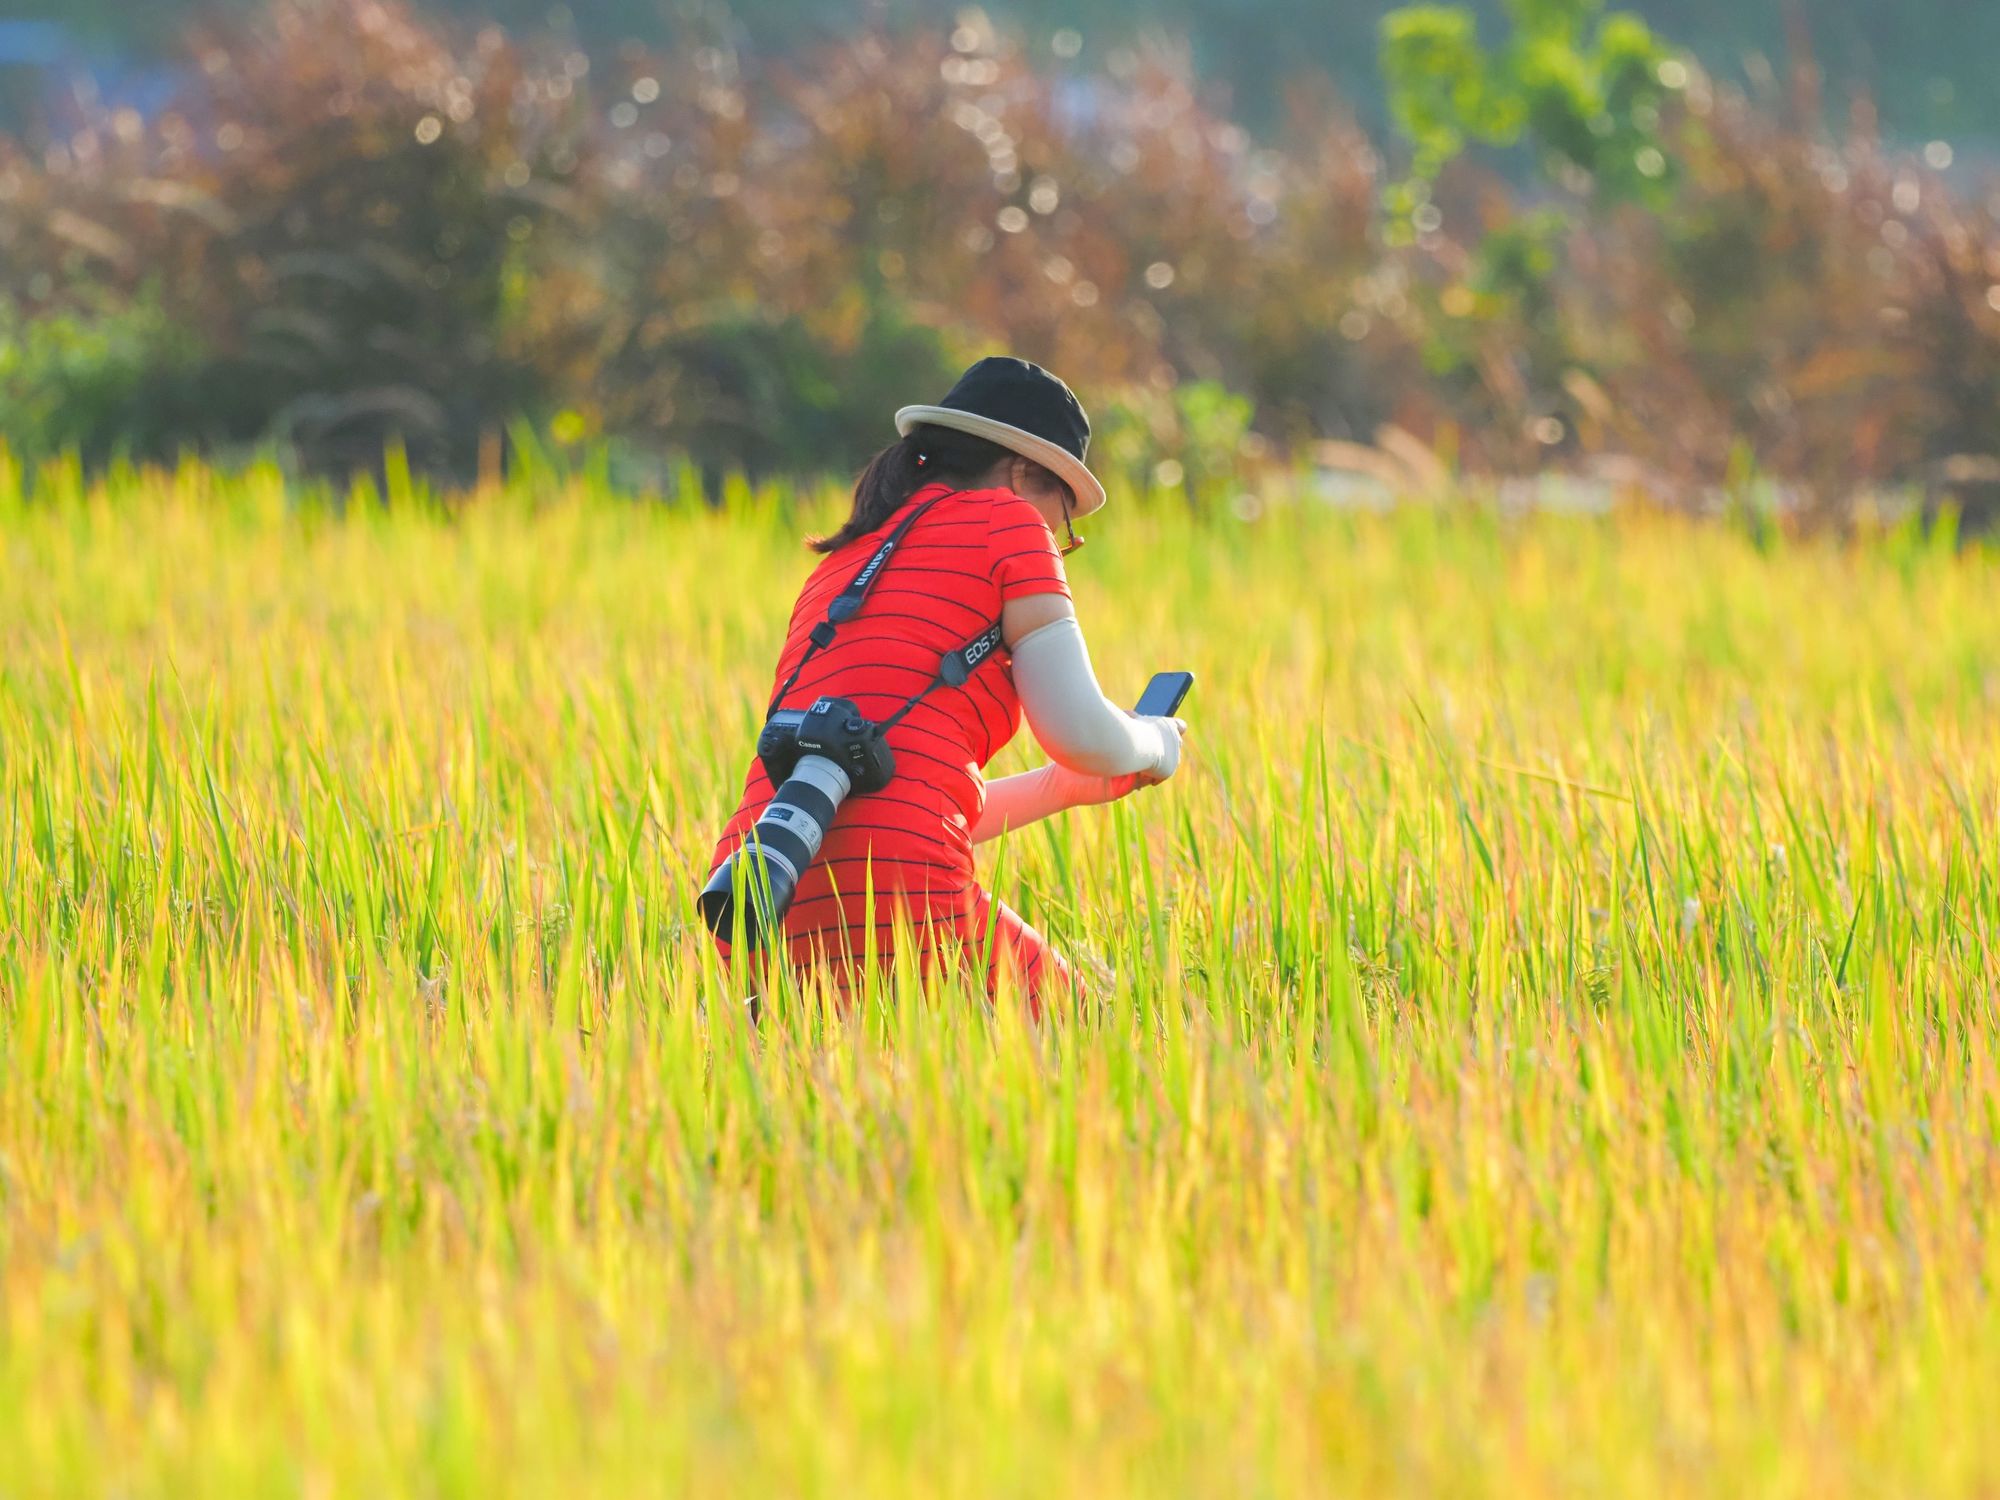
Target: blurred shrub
(1193, 439)
(123, 379)
(364, 229)
(333, 219)
(863, 225)
(1710, 284)
(1830, 308)
(358, 227)
(749, 391)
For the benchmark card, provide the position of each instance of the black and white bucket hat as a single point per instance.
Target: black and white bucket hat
(1024, 409)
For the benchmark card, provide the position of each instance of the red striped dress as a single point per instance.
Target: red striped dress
(963, 559)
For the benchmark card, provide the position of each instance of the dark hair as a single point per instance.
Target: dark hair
(927, 455)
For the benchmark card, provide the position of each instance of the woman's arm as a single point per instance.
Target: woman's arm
(1100, 752)
(1072, 719)
(1016, 801)
(1066, 710)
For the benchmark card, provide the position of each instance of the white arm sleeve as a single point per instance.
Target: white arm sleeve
(1072, 719)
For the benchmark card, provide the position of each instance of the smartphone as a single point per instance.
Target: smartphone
(1164, 695)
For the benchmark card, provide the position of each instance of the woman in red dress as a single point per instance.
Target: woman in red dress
(979, 485)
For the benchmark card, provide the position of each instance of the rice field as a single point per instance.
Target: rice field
(1546, 1040)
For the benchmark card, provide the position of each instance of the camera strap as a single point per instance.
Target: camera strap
(955, 668)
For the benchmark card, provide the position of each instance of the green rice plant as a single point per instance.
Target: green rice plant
(1545, 1040)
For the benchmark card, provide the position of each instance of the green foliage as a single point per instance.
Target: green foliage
(1193, 438)
(773, 394)
(1441, 84)
(120, 379)
(1584, 89)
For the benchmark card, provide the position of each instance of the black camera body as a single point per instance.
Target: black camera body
(816, 758)
(834, 729)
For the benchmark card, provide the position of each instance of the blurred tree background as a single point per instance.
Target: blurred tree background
(1926, 62)
(1516, 237)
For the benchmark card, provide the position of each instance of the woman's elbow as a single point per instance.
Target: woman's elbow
(1104, 754)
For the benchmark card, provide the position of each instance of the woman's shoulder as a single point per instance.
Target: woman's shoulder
(984, 519)
(961, 513)
(996, 509)
(991, 495)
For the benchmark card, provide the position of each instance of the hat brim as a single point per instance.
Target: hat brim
(1065, 465)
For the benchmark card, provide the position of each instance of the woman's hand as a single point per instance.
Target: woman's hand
(1084, 790)
(1173, 734)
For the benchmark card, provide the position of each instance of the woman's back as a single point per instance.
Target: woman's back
(964, 558)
